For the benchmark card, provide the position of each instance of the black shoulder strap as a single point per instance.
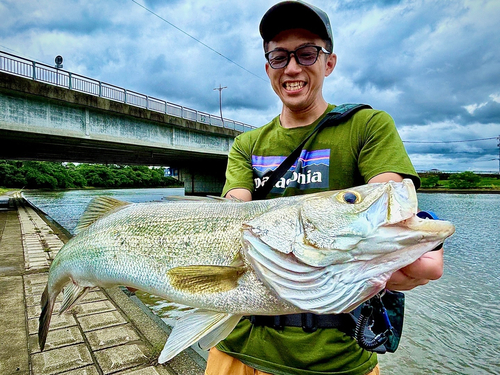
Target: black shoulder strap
(336, 116)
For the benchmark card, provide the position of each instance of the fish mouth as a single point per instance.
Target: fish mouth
(440, 229)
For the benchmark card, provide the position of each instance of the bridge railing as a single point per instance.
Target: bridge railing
(20, 66)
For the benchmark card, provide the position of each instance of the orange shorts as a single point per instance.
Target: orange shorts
(220, 363)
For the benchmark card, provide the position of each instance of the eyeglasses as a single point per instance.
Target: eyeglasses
(306, 55)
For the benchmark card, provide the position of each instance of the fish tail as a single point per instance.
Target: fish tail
(47, 307)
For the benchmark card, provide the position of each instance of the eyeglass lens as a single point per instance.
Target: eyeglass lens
(306, 55)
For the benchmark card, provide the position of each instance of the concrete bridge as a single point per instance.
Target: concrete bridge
(45, 121)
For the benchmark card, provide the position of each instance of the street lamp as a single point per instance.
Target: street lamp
(220, 88)
(59, 64)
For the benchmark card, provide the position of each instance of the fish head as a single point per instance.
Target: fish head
(339, 248)
(362, 222)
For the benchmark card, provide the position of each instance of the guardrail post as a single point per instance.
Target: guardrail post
(34, 71)
(100, 89)
(70, 86)
(125, 96)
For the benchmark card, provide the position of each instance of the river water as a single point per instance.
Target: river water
(452, 325)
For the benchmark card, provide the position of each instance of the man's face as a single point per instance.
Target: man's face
(300, 87)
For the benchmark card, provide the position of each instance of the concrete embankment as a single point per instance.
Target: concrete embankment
(109, 332)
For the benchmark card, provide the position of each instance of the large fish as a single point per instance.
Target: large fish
(324, 253)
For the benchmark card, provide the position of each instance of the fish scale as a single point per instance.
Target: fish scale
(321, 253)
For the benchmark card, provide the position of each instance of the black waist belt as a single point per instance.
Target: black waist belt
(309, 322)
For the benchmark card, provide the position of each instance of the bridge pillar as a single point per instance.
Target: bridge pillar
(200, 180)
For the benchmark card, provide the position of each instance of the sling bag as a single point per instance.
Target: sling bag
(337, 115)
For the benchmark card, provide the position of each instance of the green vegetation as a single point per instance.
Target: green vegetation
(51, 175)
(430, 182)
(462, 180)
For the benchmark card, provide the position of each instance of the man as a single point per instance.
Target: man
(366, 148)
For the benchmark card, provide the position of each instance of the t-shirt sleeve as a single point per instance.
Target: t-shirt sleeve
(239, 172)
(383, 150)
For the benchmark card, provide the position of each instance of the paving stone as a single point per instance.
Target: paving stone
(122, 357)
(60, 360)
(94, 295)
(38, 265)
(57, 321)
(99, 321)
(88, 370)
(57, 338)
(113, 336)
(151, 370)
(88, 308)
(36, 289)
(40, 278)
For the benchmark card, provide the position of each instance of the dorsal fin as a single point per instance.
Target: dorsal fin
(199, 199)
(97, 208)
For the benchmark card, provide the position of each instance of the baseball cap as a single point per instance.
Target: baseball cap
(288, 15)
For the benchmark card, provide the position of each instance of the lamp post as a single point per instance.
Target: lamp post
(59, 65)
(220, 88)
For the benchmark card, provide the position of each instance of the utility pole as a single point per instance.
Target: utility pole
(498, 145)
(220, 88)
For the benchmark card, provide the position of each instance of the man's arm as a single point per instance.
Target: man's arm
(241, 194)
(428, 267)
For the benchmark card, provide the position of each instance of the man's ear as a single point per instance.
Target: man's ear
(267, 68)
(331, 61)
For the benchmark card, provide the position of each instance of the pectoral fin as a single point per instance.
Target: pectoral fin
(205, 279)
(208, 326)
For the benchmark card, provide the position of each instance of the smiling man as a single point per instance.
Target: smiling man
(365, 148)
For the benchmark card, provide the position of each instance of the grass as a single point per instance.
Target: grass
(492, 183)
(4, 190)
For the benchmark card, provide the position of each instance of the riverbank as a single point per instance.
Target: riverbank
(459, 191)
(109, 332)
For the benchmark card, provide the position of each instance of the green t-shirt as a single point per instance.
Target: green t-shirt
(338, 157)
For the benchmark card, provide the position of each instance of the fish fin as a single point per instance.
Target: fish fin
(72, 293)
(220, 333)
(321, 290)
(205, 279)
(45, 316)
(193, 327)
(97, 208)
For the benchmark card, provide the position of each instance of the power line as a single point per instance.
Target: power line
(466, 140)
(199, 41)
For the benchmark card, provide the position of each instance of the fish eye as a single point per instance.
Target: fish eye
(350, 197)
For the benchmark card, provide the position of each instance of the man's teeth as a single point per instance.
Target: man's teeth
(294, 85)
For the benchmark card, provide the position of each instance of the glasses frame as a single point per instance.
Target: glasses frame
(294, 52)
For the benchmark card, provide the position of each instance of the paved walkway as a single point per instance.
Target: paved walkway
(109, 332)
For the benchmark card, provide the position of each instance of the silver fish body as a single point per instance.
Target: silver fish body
(325, 253)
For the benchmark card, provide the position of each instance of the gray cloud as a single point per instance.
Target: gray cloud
(434, 67)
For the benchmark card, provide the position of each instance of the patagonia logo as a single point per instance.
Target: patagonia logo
(310, 171)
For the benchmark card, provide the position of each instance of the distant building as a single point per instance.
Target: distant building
(171, 172)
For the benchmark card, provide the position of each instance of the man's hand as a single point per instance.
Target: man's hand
(428, 267)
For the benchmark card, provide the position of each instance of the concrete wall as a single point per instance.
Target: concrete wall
(45, 122)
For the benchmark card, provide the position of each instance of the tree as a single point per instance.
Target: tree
(464, 180)
(430, 182)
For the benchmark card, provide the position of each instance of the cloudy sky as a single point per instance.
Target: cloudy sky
(433, 65)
